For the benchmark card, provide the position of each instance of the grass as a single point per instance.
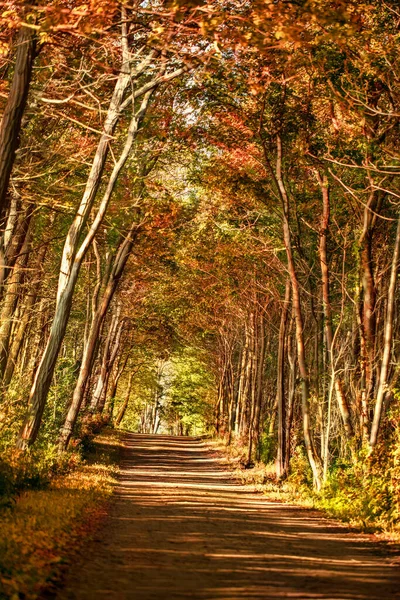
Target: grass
(43, 529)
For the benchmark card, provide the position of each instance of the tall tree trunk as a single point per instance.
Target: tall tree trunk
(301, 352)
(368, 315)
(340, 395)
(15, 243)
(366, 308)
(114, 277)
(245, 393)
(10, 304)
(239, 402)
(10, 126)
(259, 382)
(26, 315)
(124, 406)
(291, 351)
(100, 391)
(117, 374)
(364, 399)
(252, 383)
(72, 260)
(387, 348)
(281, 462)
(101, 379)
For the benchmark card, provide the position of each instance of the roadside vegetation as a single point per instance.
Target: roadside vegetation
(365, 493)
(50, 507)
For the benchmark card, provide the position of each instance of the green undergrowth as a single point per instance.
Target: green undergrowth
(364, 493)
(50, 507)
(37, 467)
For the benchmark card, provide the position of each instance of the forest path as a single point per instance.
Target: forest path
(181, 528)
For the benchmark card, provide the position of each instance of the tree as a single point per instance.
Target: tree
(74, 250)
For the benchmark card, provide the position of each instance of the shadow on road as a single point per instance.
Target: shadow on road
(181, 527)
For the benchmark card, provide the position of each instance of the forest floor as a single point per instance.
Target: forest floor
(182, 527)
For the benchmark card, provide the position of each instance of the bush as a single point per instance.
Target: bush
(6, 483)
(365, 492)
(301, 477)
(266, 447)
(90, 425)
(44, 528)
(33, 469)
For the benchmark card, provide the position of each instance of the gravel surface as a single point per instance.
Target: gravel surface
(181, 527)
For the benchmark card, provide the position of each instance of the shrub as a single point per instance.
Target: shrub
(266, 447)
(44, 528)
(33, 469)
(90, 425)
(365, 492)
(301, 477)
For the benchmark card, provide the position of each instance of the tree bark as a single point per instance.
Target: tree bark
(340, 395)
(10, 126)
(259, 381)
(16, 234)
(114, 277)
(10, 304)
(110, 354)
(239, 402)
(124, 406)
(291, 351)
(109, 407)
(245, 391)
(366, 309)
(71, 263)
(301, 352)
(282, 433)
(252, 384)
(388, 337)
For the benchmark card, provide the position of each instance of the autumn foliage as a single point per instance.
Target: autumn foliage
(200, 234)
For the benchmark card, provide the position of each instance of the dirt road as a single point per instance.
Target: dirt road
(181, 528)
